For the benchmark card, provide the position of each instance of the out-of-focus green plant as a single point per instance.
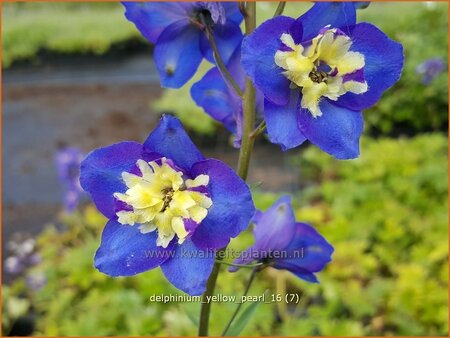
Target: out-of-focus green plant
(30, 28)
(385, 214)
(13, 306)
(412, 106)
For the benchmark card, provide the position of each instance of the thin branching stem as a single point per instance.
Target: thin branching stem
(238, 308)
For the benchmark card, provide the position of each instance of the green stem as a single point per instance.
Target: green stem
(280, 8)
(240, 265)
(259, 130)
(247, 288)
(249, 104)
(219, 62)
(244, 155)
(206, 305)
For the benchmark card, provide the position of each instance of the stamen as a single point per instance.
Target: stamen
(318, 76)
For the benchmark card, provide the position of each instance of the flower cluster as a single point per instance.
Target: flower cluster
(21, 254)
(68, 167)
(170, 207)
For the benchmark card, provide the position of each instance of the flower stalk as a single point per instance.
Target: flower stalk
(238, 308)
(219, 62)
(244, 155)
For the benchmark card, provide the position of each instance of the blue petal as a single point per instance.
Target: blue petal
(212, 94)
(340, 15)
(151, 18)
(336, 132)
(217, 98)
(282, 123)
(228, 37)
(232, 206)
(189, 268)
(177, 54)
(232, 12)
(383, 65)
(101, 170)
(125, 251)
(307, 253)
(258, 59)
(275, 227)
(170, 140)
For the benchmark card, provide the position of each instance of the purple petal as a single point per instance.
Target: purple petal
(282, 123)
(275, 227)
(340, 15)
(307, 253)
(232, 206)
(177, 54)
(151, 18)
(232, 12)
(101, 173)
(258, 59)
(189, 268)
(170, 140)
(213, 95)
(336, 132)
(125, 251)
(383, 65)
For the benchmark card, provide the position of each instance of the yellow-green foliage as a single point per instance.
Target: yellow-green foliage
(385, 214)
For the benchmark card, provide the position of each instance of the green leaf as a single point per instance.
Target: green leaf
(241, 321)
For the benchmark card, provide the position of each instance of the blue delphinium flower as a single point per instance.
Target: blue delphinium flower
(219, 100)
(429, 69)
(68, 167)
(317, 73)
(285, 244)
(167, 206)
(175, 28)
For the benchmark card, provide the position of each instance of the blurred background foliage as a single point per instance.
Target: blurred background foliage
(386, 213)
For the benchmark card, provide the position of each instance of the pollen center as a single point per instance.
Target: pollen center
(322, 67)
(161, 199)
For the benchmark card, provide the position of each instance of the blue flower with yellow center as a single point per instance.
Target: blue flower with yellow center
(167, 206)
(177, 31)
(317, 74)
(285, 244)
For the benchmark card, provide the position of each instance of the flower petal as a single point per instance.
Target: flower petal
(101, 170)
(212, 94)
(308, 252)
(340, 15)
(189, 268)
(383, 65)
(336, 132)
(282, 123)
(177, 54)
(232, 12)
(170, 140)
(232, 206)
(228, 37)
(258, 59)
(125, 251)
(151, 18)
(275, 227)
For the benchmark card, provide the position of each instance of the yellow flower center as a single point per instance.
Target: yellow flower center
(320, 69)
(161, 200)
